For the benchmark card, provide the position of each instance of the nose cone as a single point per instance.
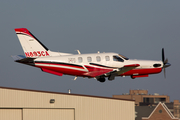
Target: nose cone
(166, 65)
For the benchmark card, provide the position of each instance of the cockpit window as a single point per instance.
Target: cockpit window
(117, 58)
(124, 57)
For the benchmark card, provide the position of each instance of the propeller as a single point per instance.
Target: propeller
(165, 62)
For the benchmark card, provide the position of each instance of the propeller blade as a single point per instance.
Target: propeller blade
(166, 61)
(164, 72)
(163, 55)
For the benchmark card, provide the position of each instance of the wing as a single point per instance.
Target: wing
(126, 68)
(97, 70)
(122, 70)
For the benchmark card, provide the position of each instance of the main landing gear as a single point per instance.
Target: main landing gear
(101, 79)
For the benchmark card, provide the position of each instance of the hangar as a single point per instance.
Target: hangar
(22, 104)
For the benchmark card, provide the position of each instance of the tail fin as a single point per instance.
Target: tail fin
(31, 45)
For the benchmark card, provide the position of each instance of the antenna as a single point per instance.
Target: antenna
(69, 91)
(75, 78)
(78, 51)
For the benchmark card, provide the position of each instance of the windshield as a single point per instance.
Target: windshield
(123, 57)
(117, 58)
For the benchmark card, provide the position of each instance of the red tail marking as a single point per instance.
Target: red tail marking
(23, 30)
(36, 54)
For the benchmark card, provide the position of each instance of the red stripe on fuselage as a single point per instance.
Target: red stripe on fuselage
(60, 64)
(67, 65)
(60, 68)
(77, 70)
(142, 71)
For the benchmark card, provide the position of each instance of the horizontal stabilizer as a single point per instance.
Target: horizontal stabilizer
(23, 59)
(18, 57)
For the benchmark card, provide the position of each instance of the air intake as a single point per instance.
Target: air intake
(157, 65)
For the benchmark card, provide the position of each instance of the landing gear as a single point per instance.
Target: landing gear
(132, 77)
(102, 79)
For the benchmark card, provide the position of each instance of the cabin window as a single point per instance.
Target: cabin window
(98, 58)
(107, 58)
(80, 59)
(117, 58)
(89, 59)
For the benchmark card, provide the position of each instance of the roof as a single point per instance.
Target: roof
(165, 108)
(143, 111)
(20, 89)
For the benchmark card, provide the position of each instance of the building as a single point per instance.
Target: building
(160, 112)
(143, 111)
(176, 109)
(146, 103)
(142, 97)
(20, 104)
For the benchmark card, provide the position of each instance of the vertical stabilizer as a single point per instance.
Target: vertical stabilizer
(31, 45)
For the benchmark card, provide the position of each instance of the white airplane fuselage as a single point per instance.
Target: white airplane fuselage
(96, 65)
(76, 64)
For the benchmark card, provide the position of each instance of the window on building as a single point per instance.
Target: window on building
(160, 111)
(98, 58)
(107, 58)
(80, 59)
(148, 100)
(157, 100)
(89, 59)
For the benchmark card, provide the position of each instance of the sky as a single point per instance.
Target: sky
(138, 29)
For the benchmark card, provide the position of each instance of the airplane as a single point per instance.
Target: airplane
(95, 65)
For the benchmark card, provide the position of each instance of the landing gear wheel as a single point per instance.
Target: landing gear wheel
(132, 77)
(102, 79)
